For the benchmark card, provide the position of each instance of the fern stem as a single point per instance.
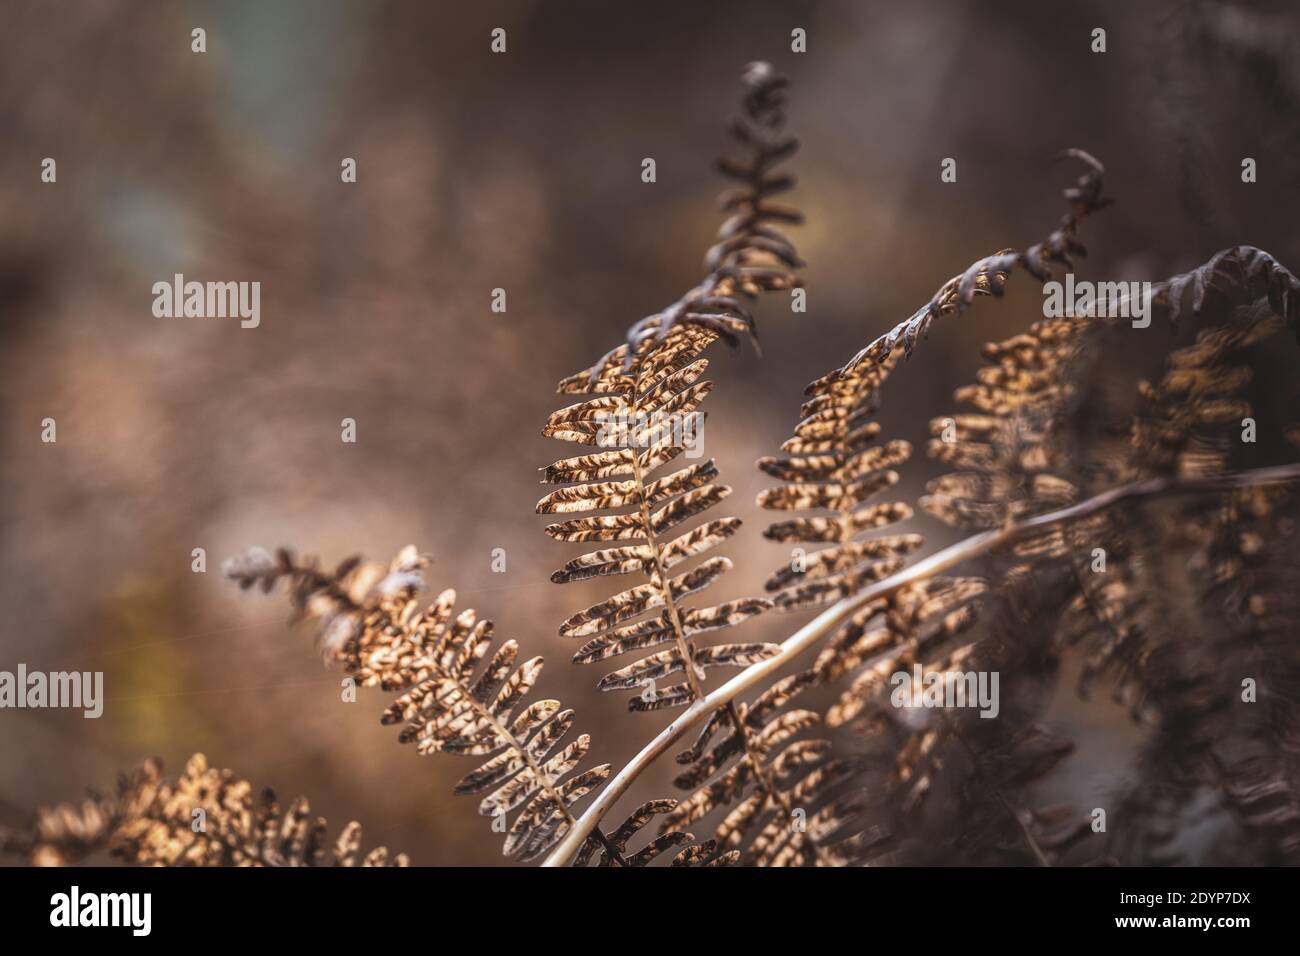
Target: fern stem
(826, 622)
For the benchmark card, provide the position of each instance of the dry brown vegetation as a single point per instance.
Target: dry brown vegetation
(1065, 446)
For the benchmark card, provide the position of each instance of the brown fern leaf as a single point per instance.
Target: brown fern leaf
(1209, 744)
(372, 625)
(792, 804)
(1010, 454)
(1167, 661)
(639, 413)
(209, 817)
(1242, 273)
(1112, 617)
(1178, 429)
(788, 801)
(835, 415)
(989, 276)
(1250, 588)
(1183, 427)
(910, 626)
(614, 853)
(235, 827)
(1005, 450)
(833, 466)
(751, 253)
(66, 833)
(1199, 398)
(957, 790)
(649, 389)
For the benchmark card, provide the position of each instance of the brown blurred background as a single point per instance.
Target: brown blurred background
(519, 171)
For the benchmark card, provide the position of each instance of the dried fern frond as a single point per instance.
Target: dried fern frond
(1165, 661)
(652, 382)
(989, 275)
(1212, 748)
(614, 853)
(835, 424)
(1199, 398)
(1153, 491)
(371, 624)
(1005, 450)
(236, 828)
(66, 833)
(960, 787)
(208, 817)
(1011, 454)
(788, 801)
(751, 253)
(1182, 427)
(911, 625)
(794, 804)
(834, 466)
(1243, 273)
(1182, 417)
(1013, 450)
(1017, 457)
(1244, 747)
(638, 402)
